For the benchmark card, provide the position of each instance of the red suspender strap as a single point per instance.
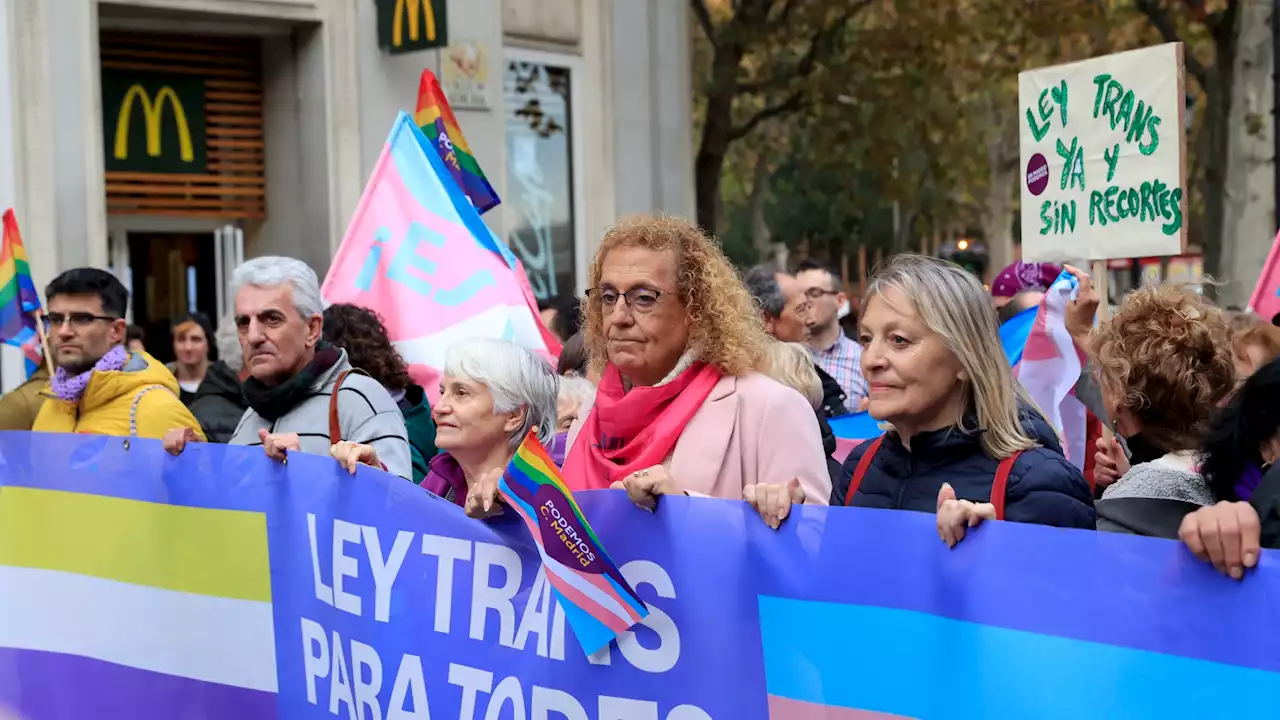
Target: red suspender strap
(864, 463)
(1001, 485)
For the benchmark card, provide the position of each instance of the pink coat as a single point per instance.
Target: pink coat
(751, 430)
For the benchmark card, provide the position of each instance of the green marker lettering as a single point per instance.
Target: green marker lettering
(1111, 203)
(1125, 114)
(1096, 214)
(1100, 81)
(1044, 217)
(1111, 157)
(1141, 117)
(1175, 201)
(1149, 148)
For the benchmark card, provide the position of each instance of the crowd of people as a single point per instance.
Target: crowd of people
(681, 376)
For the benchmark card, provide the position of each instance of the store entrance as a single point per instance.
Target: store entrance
(173, 275)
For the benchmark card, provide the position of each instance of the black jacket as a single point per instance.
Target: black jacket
(1266, 500)
(1043, 487)
(833, 396)
(828, 446)
(218, 403)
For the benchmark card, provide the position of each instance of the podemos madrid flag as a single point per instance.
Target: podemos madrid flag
(598, 602)
(434, 116)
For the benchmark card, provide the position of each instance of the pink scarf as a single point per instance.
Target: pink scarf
(630, 431)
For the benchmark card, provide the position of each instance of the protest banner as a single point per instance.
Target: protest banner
(223, 584)
(1103, 148)
(418, 253)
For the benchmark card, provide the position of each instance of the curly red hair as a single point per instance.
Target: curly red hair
(1167, 353)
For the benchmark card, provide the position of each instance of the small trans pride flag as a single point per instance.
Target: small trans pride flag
(598, 602)
(1050, 367)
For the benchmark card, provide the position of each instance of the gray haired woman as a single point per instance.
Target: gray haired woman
(492, 393)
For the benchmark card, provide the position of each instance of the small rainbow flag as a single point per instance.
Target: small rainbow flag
(598, 602)
(18, 296)
(436, 119)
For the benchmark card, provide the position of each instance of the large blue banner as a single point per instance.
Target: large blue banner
(222, 584)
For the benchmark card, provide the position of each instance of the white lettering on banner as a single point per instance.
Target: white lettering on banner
(508, 691)
(472, 682)
(340, 688)
(356, 689)
(447, 550)
(485, 597)
(411, 684)
(324, 593)
(667, 654)
(365, 658)
(314, 665)
(547, 701)
(384, 572)
(344, 565)
(534, 619)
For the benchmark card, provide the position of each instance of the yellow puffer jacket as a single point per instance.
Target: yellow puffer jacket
(143, 390)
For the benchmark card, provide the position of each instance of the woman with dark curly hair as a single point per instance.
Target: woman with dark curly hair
(682, 407)
(1165, 364)
(361, 333)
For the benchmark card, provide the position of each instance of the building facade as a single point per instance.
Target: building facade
(168, 139)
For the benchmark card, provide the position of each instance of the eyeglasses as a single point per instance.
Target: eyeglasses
(640, 299)
(77, 319)
(814, 293)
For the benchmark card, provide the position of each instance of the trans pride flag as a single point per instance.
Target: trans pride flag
(418, 253)
(436, 119)
(18, 296)
(1265, 300)
(598, 602)
(1050, 367)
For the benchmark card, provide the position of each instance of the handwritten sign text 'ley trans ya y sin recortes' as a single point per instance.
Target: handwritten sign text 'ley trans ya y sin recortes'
(1104, 153)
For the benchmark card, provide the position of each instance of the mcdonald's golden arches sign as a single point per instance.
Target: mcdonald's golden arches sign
(407, 25)
(153, 122)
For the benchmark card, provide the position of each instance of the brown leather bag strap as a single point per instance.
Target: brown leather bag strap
(335, 428)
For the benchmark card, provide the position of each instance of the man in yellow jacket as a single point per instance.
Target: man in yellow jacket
(100, 387)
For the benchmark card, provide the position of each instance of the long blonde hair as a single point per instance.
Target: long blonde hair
(791, 364)
(724, 323)
(953, 304)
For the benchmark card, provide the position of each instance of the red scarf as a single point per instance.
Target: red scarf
(630, 431)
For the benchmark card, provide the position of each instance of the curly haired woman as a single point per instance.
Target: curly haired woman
(361, 333)
(1165, 364)
(681, 407)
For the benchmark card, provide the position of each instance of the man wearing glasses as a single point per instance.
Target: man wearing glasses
(100, 387)
(834, 352)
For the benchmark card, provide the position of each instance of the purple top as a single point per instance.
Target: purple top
(1248, 482)
(557, 449)
(445, 478)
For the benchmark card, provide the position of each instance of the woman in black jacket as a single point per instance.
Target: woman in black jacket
(965, 442)
(1239, 465)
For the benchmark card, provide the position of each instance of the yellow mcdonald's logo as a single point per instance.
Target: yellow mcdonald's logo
(412, 8)
(152, 114)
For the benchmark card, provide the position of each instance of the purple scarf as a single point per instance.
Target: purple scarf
(66, 386)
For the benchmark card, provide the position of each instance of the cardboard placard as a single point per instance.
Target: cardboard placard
(1104, 151)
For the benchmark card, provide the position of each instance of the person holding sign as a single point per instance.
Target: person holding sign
(965, 441)
(682, 407)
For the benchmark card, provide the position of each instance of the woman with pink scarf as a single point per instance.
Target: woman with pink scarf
(682, 407)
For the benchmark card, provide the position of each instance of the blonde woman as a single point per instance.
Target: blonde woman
(791, 364)
(965, 442)
(682, 407)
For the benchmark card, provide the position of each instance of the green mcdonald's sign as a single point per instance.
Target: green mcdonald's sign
(153, 122)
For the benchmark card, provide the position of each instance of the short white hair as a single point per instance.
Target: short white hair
(579, 389)
(516, 378)
(273, 270)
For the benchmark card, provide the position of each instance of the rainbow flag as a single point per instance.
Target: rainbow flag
(18, 296)
(436, 119)
(598, 602)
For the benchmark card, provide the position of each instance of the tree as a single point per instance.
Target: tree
(765, 58)
(1191, 19)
